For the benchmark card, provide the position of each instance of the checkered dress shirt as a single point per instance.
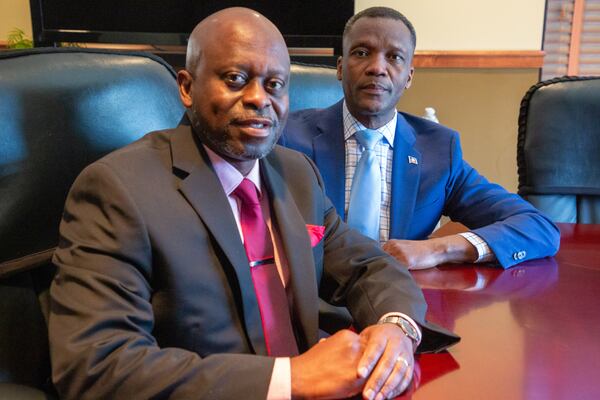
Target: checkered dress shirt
(384, 155)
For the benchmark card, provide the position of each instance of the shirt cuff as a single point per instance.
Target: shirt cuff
(484, 252)
(409, 320)
(280, 387)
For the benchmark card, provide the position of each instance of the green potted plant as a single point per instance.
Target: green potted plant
(18, 40)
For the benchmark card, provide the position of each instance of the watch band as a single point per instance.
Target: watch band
(407, 326)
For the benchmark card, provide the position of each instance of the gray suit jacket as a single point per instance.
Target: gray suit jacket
(153, 296)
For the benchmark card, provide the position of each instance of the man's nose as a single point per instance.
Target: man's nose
(255, 96)
(377, 65)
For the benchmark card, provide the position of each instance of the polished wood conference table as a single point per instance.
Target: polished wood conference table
(528, 332)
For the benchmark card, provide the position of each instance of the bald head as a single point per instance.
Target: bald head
(239, 21)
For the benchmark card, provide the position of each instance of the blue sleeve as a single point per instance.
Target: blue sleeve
(513, 228)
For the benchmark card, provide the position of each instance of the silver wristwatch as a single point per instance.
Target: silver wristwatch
(408, 328)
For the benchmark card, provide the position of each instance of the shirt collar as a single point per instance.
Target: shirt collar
(351, 126)
(229, 176)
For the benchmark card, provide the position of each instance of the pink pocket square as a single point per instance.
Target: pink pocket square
(315, 233)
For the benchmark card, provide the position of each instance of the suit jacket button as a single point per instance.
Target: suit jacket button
(515, 256)
(522, 254)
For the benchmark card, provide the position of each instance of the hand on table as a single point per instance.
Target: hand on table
(387, 361)
(379, 363)
(329, 369)
(421, 254)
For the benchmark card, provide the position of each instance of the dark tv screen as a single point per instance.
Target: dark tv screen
(304, 23)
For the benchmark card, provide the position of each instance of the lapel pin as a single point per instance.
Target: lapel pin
(412, 160)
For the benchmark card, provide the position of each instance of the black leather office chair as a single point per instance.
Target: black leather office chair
(61, 109)
(558, 149)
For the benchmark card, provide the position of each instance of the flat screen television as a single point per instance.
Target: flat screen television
(304, 23)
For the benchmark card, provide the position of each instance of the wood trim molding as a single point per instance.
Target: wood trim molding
(479, 59)
(576, 25)
(422, 59)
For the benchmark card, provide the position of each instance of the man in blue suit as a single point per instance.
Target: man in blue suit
(423, 174)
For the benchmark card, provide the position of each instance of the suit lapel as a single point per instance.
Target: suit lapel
(329, 155)
(203, 191)
(405, 179)
(291, 228)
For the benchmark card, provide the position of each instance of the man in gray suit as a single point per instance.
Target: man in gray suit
(157, 293)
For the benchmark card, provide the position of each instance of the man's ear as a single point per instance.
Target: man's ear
(339, 68)
(410, 77)
(184, 81)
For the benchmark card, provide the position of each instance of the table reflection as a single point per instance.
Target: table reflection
(452, 291)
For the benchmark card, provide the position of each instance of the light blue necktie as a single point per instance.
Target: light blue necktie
(365, 195)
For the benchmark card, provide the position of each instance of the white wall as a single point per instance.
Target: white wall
(471, 24)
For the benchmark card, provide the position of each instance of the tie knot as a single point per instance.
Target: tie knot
(368, 138)
(246, 192)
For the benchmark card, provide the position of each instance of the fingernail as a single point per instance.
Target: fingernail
(363, 372)
(379, 396)
(370, 394)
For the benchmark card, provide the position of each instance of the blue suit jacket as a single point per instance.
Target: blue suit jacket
(442, 183)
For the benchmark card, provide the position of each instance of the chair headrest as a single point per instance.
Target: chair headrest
(558, 149)
(60, 110)
(313, 86)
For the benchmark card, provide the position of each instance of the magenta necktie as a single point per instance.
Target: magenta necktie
(270, 293)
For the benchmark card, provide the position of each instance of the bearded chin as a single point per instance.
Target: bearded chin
(220, 142)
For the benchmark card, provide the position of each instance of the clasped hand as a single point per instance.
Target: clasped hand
(378, 362)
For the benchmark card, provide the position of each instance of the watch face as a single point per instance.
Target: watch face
(408, 328)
